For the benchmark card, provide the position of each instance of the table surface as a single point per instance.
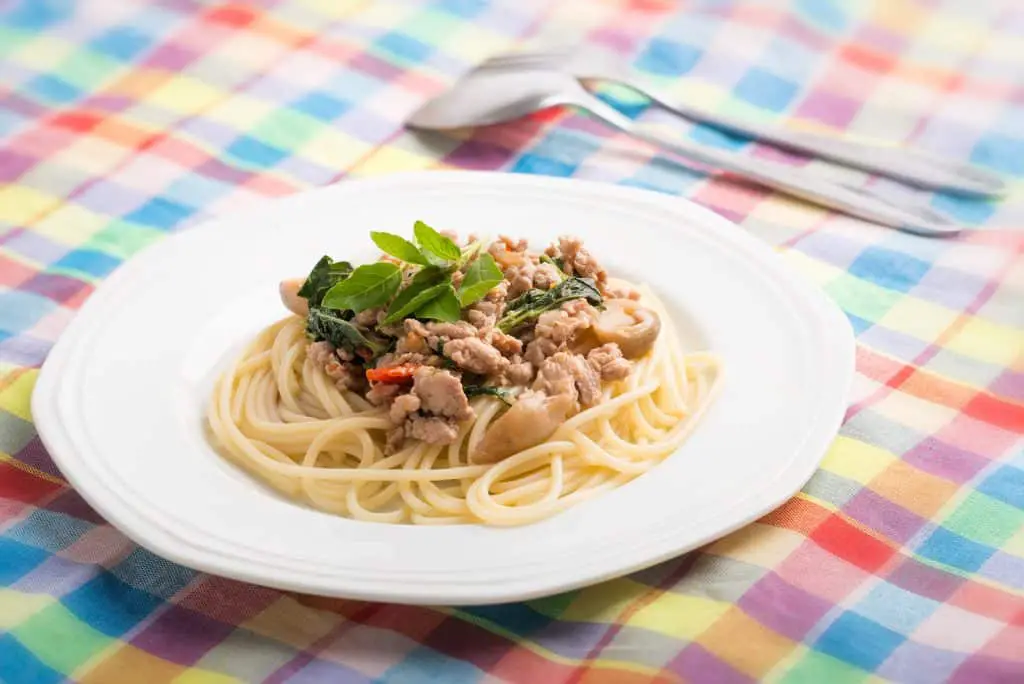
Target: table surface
(901, 560)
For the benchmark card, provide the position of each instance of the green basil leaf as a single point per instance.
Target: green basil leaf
(326, 274)
(416, 301)
(399, 247)
(434, 243)
(444, 307)
(369, 286)
(425, 285)
(481, 277)
(534, 302)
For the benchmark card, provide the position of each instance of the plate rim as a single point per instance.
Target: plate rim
(75, 468)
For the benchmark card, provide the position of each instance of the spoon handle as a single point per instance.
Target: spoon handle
(852, 200)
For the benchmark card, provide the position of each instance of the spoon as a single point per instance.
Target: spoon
(493, 94)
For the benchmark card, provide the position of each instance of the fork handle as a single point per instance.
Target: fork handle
(909, 165)
(854, 201)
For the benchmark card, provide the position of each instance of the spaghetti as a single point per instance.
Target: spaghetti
(276, 414)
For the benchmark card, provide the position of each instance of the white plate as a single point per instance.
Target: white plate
(120, 400)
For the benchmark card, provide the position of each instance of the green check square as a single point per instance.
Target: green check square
(818, 668)
(432, 26)
(985, 520)
(286, 129)
(122, 239)
(59, 639)
(86, 70)
(861, 298)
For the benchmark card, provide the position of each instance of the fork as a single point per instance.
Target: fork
(911, 166)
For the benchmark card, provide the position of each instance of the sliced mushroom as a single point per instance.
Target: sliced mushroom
(531, 420)
(628, 324)
(289, 290)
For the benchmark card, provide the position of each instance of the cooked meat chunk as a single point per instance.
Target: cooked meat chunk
(546, 277)
(402, 406)
(368, 317)
(519, 372)
(506, 344)
(436, 335)
(519, 279)
(570, 374)
(432, 430)
(507, 253)
(346, 376)
(607, 360)
(562, 325)
(381, 393)
(539, 349)
(440, 393)
(485, 313)
(576, 260)
(621, 292)
(476, 356)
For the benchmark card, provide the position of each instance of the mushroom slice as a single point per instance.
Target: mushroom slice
(289, 290)
(531, 420)
(628, 324)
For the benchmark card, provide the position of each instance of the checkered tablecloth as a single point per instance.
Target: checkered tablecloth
(902, 559)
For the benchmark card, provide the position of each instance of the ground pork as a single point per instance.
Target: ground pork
(346, 376)
(432, 430)
(382, 393)
(506, 344)
(607, 360)
(476, 356)
(519, 372)
(485, 313)
(508, 252)
(402, 406)
(368, 317)
(621, 292)
(546, 276)
(440, 393)
(576, 260)
(538, 349)
(562, 325)
(566, 373)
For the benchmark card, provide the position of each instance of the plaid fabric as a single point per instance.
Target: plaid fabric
(902, 559)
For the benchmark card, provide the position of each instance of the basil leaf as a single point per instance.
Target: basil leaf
(399, 247)
(369, 286)
(425, 285)
(327, 325)
(481, 277)
(444, 307)
(326, 274)
(533, 303)
(434, 243)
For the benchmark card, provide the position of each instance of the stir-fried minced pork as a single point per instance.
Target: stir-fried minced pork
(402, 406)
(417, 370)
(432, 430)
(440, 392)
(607, 360)
(346, 375)
(476, 356)
(381, 393)
(562, 325)
(519, 372)
(506, 344)
(566, 373)
(576, 260)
